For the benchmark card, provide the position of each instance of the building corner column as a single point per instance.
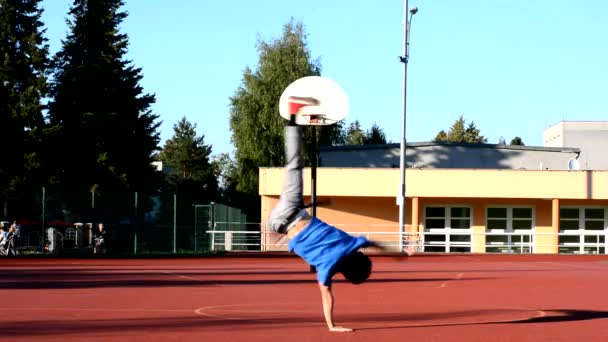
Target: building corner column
(554, 237)
(414, 230)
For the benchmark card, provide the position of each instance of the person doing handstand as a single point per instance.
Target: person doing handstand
(326, 248)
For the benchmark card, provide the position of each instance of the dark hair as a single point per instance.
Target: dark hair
(356, 267)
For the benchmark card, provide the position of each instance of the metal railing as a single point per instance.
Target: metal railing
(246, 236)
(445, 241)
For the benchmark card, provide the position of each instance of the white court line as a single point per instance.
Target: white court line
(240, 311)
(97, 309)
(458, 277)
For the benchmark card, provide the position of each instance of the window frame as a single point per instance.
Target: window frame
(582, 244)
(509, 228)
(447, 229)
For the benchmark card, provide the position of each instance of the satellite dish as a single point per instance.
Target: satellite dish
(574, 165)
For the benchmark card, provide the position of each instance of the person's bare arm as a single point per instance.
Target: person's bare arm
(328, 309)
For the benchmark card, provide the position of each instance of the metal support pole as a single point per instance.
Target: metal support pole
(211, 224)
(175, 223)
(135, 225)
(42, 219)
(402, 159)
(195, 226)
(313, 172)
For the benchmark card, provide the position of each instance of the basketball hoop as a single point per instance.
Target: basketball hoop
(315, 119)
(316, 101)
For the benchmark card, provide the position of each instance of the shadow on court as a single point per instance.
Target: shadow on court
(553, 316)
(566, 316)
(121, 281)
(46, 327)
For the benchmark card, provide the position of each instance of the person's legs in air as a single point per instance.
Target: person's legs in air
(290, 208)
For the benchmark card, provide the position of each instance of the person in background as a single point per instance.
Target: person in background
(3, 234)
(100, 239)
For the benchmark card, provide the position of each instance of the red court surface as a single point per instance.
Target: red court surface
(424, 298)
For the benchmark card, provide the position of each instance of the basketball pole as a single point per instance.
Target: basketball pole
(313, 180)
(313, 172)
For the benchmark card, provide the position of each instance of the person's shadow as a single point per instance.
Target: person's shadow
(564, 315)
(551, 316)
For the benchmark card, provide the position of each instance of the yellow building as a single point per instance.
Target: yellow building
(470, 198)
(461, 210)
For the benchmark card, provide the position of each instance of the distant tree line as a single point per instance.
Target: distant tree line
(79, 123)
(462, 132)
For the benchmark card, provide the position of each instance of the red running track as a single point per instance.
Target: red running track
(424, 298)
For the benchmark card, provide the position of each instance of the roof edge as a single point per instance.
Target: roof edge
(450, 144)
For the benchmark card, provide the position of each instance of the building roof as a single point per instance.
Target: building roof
(450, 155)
(450, 144)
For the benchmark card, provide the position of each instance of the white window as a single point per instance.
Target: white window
(447, 229)
(583, 230)
(509, 229)
(70, 234)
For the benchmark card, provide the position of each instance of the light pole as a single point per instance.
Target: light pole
(404, 59)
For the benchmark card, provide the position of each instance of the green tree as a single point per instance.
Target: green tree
(256, 126)
(517, 141)
(23, 85)
(331, 135)
(441, 136)
(354, 134)
(101, 116)
(375, 135)
(189, 174)
(226, 172)
(473, 135)
(187, 158)
(458, 133)
(224, 168)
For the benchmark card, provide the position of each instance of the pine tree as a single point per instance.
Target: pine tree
(104, 127)
(187, 158)
(354, 134)
(458, 133)
(23, 64)
(473, 135)
(375, 135)
(190, 174)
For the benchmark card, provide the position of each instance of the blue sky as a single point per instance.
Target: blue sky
(512, 67)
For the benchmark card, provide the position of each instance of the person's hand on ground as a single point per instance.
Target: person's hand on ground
(340, 329)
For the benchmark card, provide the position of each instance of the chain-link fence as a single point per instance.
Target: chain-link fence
(133, 222)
